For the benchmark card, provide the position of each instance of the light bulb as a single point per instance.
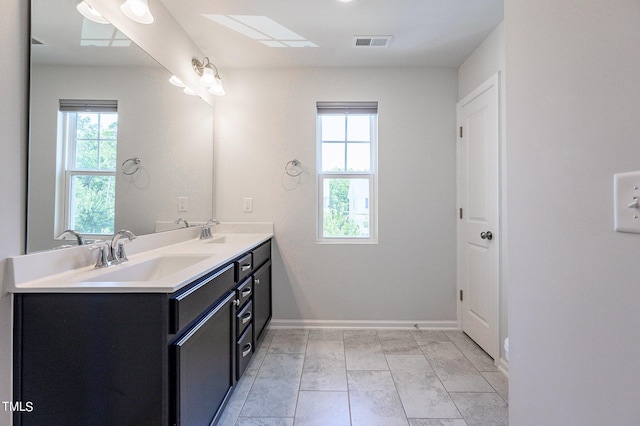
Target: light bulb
(190, 92)
(207, 78)
(137, 10)
(138, 7)
(90, 13)
(176, 81)
(216, 87)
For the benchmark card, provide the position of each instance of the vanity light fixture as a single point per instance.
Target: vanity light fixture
(90, 13)
(176, 81)
(209, 76)
(137, 10)
(190, 92)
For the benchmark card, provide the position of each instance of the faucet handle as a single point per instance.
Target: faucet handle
(103, 255)
(121, 254)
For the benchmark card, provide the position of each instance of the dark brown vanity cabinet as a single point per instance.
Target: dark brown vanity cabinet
(137, 358)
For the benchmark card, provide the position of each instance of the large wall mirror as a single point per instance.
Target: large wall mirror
(159, 153)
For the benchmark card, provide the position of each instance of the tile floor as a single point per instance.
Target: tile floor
(368, 377)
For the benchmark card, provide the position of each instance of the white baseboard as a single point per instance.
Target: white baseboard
(503, 365)
(413, 325)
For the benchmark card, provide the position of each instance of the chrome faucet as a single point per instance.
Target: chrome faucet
(205, 232)
(76, 234)
(181, 220)
(118, 254)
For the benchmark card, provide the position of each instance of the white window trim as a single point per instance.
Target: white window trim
(371, 175)
(67, 121)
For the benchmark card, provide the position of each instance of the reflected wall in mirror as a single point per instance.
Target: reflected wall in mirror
(170, 132)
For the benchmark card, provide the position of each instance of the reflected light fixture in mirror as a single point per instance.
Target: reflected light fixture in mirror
(209, 76)
(176, 81)
(90, 13)
(137, 10)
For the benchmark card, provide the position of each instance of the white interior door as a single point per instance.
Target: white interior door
(478, 217)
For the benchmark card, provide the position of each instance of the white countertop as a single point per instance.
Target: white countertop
(165, 269)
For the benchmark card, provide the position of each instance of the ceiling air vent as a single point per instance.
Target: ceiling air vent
(371, 41)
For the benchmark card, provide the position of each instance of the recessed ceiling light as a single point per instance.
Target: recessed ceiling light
(344, 1)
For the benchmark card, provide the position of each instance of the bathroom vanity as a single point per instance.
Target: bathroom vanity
(166, 349)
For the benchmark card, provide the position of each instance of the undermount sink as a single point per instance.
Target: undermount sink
(149, 270)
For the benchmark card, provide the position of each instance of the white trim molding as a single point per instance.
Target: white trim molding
(413, 325)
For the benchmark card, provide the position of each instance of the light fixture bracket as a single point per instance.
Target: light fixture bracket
(199, 67)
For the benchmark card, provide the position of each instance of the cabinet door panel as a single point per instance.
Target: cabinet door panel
(203, 362)
(261, 299)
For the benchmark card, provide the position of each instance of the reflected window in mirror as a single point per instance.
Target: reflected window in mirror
(89, 137)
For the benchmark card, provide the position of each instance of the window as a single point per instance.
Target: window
(90, 131)
(347, 148)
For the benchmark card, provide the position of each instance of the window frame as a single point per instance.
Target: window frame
(370, 175)
(69, 110)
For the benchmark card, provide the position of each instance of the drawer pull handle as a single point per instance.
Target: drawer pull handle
(236, 302)
(246, 318)
(245, 267)
(246, 350)
(246, 293)
(257, 280)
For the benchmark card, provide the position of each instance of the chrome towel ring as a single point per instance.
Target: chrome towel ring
(132, 165)
(293, 168)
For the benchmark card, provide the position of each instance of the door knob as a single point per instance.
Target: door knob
(486, 235)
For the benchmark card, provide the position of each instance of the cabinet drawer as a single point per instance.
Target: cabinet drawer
(190, 304)
(244, 317)
(244, 291)
(244, 351)
(261, 254)
(244, 266)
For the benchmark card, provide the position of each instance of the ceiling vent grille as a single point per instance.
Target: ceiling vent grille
(371, 41)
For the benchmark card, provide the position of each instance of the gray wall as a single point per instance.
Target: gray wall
(573, 99)
(13, 152)
(268, 118)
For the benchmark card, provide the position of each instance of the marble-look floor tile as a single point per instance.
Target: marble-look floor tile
(366, 361)
(326, 372)
(421, 392)
(292, 341)
(326, 334)
(275, 390)
(374, 400)
(474, 353)
(234, 406)
(454, 369)
(400, 342)
(437, 422)
(264, 421)
(499, 381)
(322, 409)
(480, 409)
(423, 337)
(325, 348)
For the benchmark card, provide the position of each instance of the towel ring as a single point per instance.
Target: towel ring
(135, 161)
(293, 168)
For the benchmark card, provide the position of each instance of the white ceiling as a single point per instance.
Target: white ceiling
(434, 33)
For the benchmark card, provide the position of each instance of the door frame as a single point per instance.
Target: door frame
(500, 240)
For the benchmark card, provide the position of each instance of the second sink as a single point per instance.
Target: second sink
(152, 269)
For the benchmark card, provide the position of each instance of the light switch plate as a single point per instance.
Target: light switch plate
(626, 202)
(247, 204)
(182, 204)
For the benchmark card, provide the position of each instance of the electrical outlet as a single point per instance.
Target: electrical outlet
(182, 204)
(247, 205)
